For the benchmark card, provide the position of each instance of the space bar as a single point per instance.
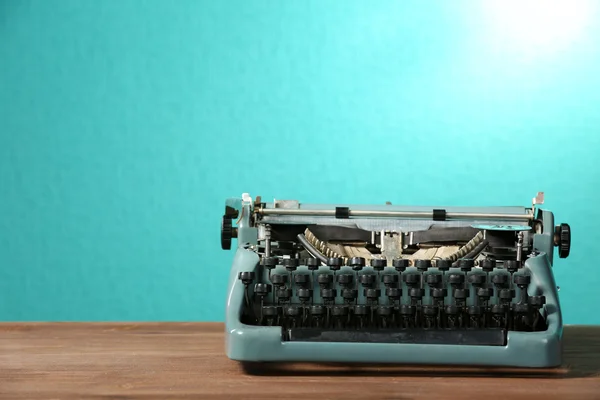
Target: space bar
(465, 337)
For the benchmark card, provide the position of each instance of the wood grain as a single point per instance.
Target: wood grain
(187, 361)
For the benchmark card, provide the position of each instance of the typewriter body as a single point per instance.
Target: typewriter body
(393, 284)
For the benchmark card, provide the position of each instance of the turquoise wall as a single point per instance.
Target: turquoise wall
(124, 125)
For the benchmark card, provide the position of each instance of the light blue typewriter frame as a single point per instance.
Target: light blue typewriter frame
(523, 349)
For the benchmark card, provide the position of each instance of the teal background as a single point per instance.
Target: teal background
(124, 125)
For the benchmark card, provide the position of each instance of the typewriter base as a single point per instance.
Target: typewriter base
(523, 349)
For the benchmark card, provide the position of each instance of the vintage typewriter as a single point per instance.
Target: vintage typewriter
(393, 284)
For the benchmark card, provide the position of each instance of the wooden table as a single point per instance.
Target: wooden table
(187, 361)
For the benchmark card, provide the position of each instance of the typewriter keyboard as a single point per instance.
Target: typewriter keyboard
(406, 302)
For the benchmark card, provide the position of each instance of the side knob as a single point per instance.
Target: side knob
(562, 239)
(227, 232)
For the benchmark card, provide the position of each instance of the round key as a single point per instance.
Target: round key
(443, 265)
(339, 311)
(328, 294)
(433, 279)
(378, 264)
(485, 293)
(361, 310)
(466, 264)
(262, 289)
(488, 265)
(456, 279)
(430, 310)
(302, 279)
(475, 310)
(384, 311)
(477, 279)
(270, 262)
(524, 308)
(511, 266)
(317, 310)
(291, 264)
(246, 277)
(506, 294)
(423, 265)
(389, 280)
(439, 293)
(304, 294)
(461, 294)
(498, 309)
(406, 309)
(357, 263)
(522, 280)
(412, 279)
(367, 280)
(312, 264)
(451, 310)
(335, 263)
(291, 311)
(349, 294)
(537, 301)
(284, 294)
(500, 279)
(400, 264)
(324, 279)
(345, 279)
(270, 311)
(416, 293)
(279, 279)
(393, 293)
(372, 293)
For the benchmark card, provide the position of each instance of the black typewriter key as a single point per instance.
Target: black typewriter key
(390, 280)
(466, 264)
(279, 279)
(340, 316)
(416, 293)
(317, 314)
(461, 294)
(477, 280)
(284, 295)
(522, 281)
(433, 280)
(422, 265)
(349, 295)
(324, 280)
(506, 294)
(269, 263)
(367, 280)
(261, 290)
(499, 281)
(270, 314)
(361, 316)
(345, 280)
(302, 280)
(430, 313)
(335, 263)
(488, 265)
(357, 263)
(400, 264)
(290, 264)
(456, 279)
(452, 315)
(246, 277)
(475, 313)
(328, 294)
(304, 295)
(537, 302)
(407, 315)
(378, 264)
(292, 314)
(385, 314)
(412, 279)
(393, 294)
(511, 266)
(312, 264)
(443, 265)
(372, 295)
(499, 315)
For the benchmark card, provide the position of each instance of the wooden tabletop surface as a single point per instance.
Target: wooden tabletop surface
(187, 361)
